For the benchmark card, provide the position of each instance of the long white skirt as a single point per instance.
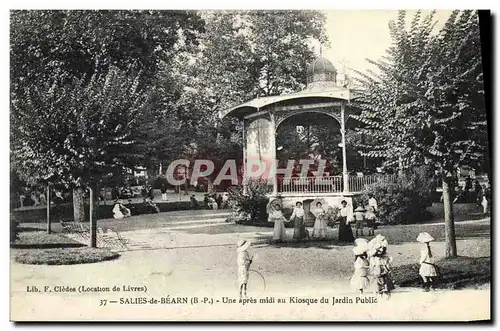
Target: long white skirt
(279, 230)
(319, 230)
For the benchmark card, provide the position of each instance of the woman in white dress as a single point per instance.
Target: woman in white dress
(276, 217)
(319, 230)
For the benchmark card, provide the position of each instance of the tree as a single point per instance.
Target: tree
(73, 132)
(242, 55)
(426, 103)
(76, 45)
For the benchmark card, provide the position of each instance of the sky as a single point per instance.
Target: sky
(356, 35)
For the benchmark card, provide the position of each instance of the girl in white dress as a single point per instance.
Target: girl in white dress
(276, 217)
(428, 270)
(360, 280)
(319, 230)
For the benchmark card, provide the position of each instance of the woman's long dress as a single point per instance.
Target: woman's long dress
(278, 219)
(345, 231)
(319, 230)
(299, 229)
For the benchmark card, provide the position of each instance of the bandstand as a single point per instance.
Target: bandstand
(262, 117)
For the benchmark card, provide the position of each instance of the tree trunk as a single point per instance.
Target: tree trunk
(49, 221)
(449, 222)
(78, 205)
(93, 215)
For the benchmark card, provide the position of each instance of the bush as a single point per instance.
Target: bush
(14, 228)
(405, 201)
(252, 207)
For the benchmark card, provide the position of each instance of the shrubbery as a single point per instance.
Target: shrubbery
(405, 201)
(250, 208)
(14, 228)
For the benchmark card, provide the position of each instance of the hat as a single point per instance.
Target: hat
(324, 204)
(424, 237)
(378, 242)
(381, 239)
(359, 209)
(242, 245)
(361, 242)
(358, 250)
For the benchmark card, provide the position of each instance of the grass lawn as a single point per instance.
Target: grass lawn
(36, 247)
(456, 273)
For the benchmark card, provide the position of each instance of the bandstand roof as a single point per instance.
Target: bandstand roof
(260, 104)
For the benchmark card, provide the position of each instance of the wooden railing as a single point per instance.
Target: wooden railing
(331, 184)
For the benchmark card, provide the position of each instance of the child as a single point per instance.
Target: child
(428, 270)
(359, 280)
(380, 265)
(359, 218)
(371, 220)
(243, 261)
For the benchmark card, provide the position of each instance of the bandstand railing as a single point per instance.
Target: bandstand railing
(330, 184)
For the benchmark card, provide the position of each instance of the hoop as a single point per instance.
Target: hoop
(257, 284)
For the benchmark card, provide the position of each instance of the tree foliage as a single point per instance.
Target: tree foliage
(426, 103)
(76, 132)
(242, 55)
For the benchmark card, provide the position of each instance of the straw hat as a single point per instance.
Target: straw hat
(242, 245)
(424, 237)
(378, 242)
(358, 250)
(359, 208)
(361, 242)
(381, 239)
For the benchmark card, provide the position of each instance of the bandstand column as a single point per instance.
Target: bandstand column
(274, 165)
(244, 175)
(345, 174)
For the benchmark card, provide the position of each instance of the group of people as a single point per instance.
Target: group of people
(372, 265)
(216, 201)
(473, 192)
(362, 219)
(38, 198)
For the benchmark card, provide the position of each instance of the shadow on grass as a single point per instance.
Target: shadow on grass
(326, 244)
(456, 273)
(46, 246)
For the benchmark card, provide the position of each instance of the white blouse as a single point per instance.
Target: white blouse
(297, 212)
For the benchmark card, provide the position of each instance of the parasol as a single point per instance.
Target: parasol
(270, 206)
(324, 204)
